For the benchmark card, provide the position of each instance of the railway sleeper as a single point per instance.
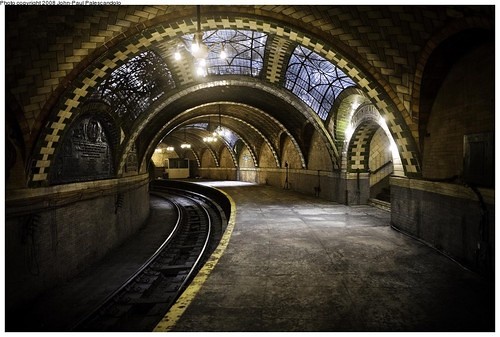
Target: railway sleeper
(168, 254)
(150, 272)
(186, 260)
(129, 298)
(165, 298)
(137, 288)
(168, 286)
(188, 248)
(195, 228)
(117, 310)
(197, 231)
(169, 260)
(146, 279)
(175, 269)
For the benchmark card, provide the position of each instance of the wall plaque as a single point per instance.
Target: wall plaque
(85, 155)
(131, 164)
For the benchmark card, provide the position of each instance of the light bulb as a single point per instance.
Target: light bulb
(223, 54)
(195, 47)
(200, 71)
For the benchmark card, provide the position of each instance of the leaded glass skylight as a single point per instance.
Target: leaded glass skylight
(133, 87)
(229, 136)
(203, 126)
(244, 51)
(315, 80)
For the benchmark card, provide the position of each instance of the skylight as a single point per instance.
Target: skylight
(315, 80)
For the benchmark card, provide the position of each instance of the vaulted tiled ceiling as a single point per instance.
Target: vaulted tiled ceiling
(68, 51)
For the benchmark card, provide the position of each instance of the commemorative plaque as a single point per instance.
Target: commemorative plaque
(86, 154)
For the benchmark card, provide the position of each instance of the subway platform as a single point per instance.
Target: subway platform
(297, 263)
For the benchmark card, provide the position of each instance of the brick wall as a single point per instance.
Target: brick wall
(245, 158)
(266, 158)
(226, 160)
(290, 155)
(463, 105)
(446, 216)
(318, 158)
(207, 160)
(63, 241)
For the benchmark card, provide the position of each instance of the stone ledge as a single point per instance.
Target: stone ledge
(23, 201)
(452, 190)
(383, 205)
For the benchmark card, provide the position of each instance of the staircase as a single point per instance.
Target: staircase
(385, 194)
(382, 200)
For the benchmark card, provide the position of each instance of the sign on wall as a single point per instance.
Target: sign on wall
(86, 154)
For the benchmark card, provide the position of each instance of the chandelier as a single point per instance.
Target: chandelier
(199, 50)
(185, 145)
(217, 132)
(212, 138)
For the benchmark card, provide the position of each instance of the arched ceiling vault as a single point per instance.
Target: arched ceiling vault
(258, 105)
(255, 127)
(196, 126)
(376, 72)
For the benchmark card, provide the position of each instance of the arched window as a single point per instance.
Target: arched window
(243, 51)
(134, 86)
(315, 80)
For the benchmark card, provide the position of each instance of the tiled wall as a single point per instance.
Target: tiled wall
(68, 238)
(464, 105)
(448, 217)
(385, 41)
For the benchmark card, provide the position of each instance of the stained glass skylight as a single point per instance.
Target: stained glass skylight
(134, 86)
(203, 126)
(244, 51)
(315, 80)
(229, 136)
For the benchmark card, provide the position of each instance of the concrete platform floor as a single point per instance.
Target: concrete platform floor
(298, 263)
(295, 263)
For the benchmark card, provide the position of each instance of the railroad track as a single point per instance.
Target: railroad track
(147, 295)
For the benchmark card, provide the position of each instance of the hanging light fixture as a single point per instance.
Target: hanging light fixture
(185, 145)
(199, 50)
(223, 52)
(219, 130)
(211, 138)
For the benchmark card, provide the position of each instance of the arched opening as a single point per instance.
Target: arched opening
(460, 110)
(381, 166)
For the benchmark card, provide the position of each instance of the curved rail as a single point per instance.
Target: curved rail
(148, 294)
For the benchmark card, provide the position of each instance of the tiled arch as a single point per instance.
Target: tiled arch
(254, 155)
(342, 109)
(90, 78)
(358, 153)
(212, 153)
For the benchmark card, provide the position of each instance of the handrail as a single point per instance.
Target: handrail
(381, 167)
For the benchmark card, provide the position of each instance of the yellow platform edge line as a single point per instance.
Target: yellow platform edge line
(174, 314)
